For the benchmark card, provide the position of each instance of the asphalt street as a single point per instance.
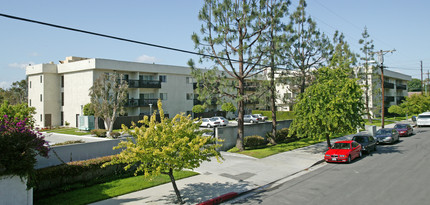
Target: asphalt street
(394, 174)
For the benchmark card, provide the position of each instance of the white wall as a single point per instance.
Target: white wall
(13, 191)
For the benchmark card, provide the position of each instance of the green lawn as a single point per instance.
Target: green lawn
(275, 149)
(110, 189)
(70, 131)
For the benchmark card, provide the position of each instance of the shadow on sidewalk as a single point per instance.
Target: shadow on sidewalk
(199, 192)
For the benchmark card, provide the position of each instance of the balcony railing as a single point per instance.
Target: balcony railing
(389, 85)
(144, 83)
(401, 87)
(141, 103)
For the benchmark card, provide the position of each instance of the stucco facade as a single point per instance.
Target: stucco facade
(59, 91)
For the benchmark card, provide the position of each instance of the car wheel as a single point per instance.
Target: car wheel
(251, 121)
(349, 159)
(361, 154)
(209, 126)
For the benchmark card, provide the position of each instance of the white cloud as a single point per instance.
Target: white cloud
(20, 65)
(146, 59)
(5, 84)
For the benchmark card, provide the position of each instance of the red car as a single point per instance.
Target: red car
(343, 151)
(404, 129)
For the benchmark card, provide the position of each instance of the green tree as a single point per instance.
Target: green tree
(228, 107)
(165, 146)
(19, 112)
(198, 108)
(230, 30)
(415, 85)
(413, 104)
(309, 48)
(366, 74)
(273, 40)
(332, 105)
(88, 111)
(108, 96)
(16, 94)
(397, 109)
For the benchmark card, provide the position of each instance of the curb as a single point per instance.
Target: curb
(231, 195)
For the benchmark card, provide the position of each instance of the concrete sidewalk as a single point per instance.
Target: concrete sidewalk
(237, 173)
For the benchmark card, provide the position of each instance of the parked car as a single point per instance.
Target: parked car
(423, 119)
(367, 142)
(264, 118)
(404, 129)
(343, 151)
(387, 136)
(252, 118)
(222, 121)
(208, 122)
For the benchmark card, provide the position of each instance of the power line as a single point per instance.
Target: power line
(119, 38)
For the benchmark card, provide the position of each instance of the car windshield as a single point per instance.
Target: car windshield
(255, 116)
(383, 132)
(341, 146)
(400, 126)
(423, 116)
(360, 139)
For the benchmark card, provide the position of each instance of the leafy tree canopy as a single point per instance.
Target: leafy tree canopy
(228, 107)
(165, 146)
(18, 112)
(414, 85)
(198, 108)
(414, 104)
(88, 110)
(332, 105)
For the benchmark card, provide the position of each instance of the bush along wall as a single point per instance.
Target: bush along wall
(280, 115)
(73, 175)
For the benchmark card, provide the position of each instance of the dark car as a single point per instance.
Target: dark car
(387, 136)
(404, 129)
(368, 143)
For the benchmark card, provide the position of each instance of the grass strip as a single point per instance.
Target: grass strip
(70, 131)
(111, 189)
(279, 148)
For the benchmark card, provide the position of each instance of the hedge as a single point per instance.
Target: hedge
(254, 141)
(280, 115)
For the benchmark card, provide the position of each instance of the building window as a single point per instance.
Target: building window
(62, 98)
(190, 96)
(40, 97)
(41, 117)
(163, 96)
(189, 80)
(30, 83)
(163, 78)
(62, 118)
(40, 79)
(30, 103)
(62, 81)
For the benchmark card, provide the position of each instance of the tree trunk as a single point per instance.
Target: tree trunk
(328, 140)
(369, 117)
(172, 179)
(273, 103)
(239, 139)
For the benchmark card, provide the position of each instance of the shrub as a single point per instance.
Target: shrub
(99, 132)
(254, 141)
(19, 147)
(115, 134)
(282, 136)
(280, 115)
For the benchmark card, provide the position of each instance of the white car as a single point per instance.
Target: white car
(262, 117)
(423, 119)
(208, 122)
(222, 121)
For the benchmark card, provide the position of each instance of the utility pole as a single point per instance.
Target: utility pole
(381, 54)
(422, 82)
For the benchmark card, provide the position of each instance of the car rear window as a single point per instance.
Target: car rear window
(423, 116)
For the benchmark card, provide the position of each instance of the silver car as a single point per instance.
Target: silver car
(222, 121)
(252, 118)
(387, 136)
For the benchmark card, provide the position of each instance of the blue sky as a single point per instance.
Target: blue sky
(402, 25)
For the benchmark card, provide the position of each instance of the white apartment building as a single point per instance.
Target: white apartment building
(59, 91)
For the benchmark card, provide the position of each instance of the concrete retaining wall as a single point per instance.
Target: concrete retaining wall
(229, 134)
(77, 152)
(13, 190)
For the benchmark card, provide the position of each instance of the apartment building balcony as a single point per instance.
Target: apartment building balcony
(389, 98)
(400, 99)
(144, 83)
(401, 87)
(141, 103)
(388, 85)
